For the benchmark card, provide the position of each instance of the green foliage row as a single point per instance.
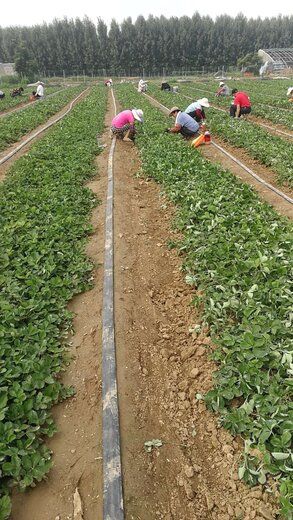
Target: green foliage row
(16, 125)
(238, 253)
(269, 103)
(9, 102)
(44, 222)
(270, 150)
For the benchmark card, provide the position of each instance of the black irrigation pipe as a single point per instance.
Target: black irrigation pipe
(113, 508)
(248, 170)
(20, 146)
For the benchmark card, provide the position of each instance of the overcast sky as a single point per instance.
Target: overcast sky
(25, 13)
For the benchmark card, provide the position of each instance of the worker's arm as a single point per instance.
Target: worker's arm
(237, 110)
(175, 129)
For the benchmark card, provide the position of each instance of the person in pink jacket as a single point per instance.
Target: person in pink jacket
(123, 125)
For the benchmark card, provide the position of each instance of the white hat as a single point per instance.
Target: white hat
(138, 114)
(289, 91)
(221, 83)
(204, 102)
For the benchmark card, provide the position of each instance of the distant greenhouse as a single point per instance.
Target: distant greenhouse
(277, 59)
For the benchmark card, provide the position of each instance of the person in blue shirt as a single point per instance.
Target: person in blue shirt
(184, 124)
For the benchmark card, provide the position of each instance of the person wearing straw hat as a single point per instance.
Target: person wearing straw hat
(184, 124)
(196, 109)
(123, 124)
(223, 90)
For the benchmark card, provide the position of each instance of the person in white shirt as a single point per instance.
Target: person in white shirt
(40, 90)
(142, 86)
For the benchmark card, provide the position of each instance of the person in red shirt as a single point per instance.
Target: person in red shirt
(241, 104)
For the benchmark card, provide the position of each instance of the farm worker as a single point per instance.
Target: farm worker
(184, 124)
(142, 86)
(290, 93)
(2, 95)
(123, 125)
(165, 86)
(40, 90)
(223, 90)
(16, 92)
(196, 109)
(241, 104)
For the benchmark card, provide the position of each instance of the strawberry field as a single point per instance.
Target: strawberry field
(16, 125)
(11, 102)
(270, 150)
(236, 254)
(268, 99)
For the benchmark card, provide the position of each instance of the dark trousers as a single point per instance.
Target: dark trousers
(194, 115)
(187, 133)
(243, 110)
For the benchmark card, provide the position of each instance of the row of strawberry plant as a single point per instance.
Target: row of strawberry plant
(270, 108)
(45, 219)
(269, 150)
(269, 93)
(238, 253)
(10, 102)
(16, 125)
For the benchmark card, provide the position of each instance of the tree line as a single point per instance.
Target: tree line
(71, 46)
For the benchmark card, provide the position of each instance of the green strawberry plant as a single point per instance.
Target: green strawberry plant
(17, 124)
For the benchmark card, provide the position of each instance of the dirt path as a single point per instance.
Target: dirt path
(161, 367)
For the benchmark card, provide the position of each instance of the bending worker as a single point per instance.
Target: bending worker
(142, 86)
(223, 90)
(241, 104)
(123, 124)
(196, 109)
(40, 92)
(184, 124)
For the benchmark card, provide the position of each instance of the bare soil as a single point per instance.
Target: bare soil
(161, 368)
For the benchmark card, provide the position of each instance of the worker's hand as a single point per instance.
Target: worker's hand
(167, 130)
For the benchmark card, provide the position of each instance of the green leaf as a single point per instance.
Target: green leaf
(280, 456)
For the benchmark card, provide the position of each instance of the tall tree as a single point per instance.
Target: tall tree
(25, 65)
